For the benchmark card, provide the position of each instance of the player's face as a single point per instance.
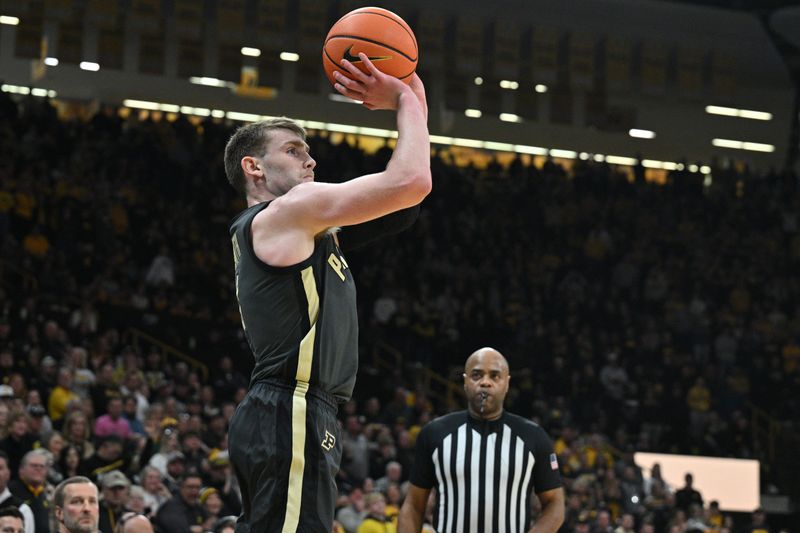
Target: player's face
(486, 383)
(81, 512)
(287, 162)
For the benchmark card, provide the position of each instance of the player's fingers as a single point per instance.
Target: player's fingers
(367, 63)
(355, 72)
(347, 82)
(355, 95)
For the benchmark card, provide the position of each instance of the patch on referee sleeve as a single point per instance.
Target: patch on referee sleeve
(553, 461)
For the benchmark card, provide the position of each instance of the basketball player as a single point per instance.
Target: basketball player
(484, 463)
(297, 297)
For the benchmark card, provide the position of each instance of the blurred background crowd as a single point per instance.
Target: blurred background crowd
(636, 316)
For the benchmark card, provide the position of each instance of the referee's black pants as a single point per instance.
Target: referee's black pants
(285, 449)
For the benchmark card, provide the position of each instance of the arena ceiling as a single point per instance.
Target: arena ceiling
(742, 5)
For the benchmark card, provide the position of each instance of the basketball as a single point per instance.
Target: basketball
(385, 37)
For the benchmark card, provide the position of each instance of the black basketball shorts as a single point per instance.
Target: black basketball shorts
(285, 450)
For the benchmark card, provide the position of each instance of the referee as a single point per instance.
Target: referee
(484, 463)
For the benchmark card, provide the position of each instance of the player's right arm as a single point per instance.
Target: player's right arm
(412, 513)
(310, 208)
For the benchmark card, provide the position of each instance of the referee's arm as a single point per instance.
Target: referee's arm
(412, 513)
(552, 511)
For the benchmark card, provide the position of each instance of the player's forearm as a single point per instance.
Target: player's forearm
(550, 520)
(410, 520)
(411, 158)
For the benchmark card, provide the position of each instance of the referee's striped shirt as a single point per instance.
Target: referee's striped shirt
(484, 471)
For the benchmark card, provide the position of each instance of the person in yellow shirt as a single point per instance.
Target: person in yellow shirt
(62, 395)
(698, 399)
(36, 243)
(376, 520)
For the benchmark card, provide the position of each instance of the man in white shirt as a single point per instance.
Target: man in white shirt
(6, 498)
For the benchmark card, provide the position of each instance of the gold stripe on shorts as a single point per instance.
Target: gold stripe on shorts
(305, 358)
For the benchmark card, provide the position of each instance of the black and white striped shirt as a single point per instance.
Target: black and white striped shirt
(484, 471)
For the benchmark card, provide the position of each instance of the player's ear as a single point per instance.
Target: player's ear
(251, 166)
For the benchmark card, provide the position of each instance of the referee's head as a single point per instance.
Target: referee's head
(486, 383)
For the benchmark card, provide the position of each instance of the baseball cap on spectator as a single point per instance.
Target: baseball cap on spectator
(218, 458)
(205, 493)
(225, 521)
(49, 360)
(6, 391)
(115, 478)
(175, 456)
(168, 422)
(36, 410)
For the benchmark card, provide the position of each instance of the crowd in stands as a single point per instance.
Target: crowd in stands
(635, 316)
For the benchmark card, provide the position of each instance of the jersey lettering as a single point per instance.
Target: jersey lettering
(338, 264)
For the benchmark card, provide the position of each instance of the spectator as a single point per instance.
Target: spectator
(687, 495)
(602, 523)
(19, 440)
(655, 476)
(11, 520)
(68, 463)
(112, 423)
(83, 377)
(155, 492)
(132, 522)
(31, 487)
(394, 474)
(109, 456)
(105, 387)
(39, 423)
(129, 414)
(212, 504)
(219, 475)
(355, 451)
(77, 432)
(226, 524)
(758, 523)
(169, 447)
(116, 491)
(626, 524)
(136, 500)
(183, 512)
(376, 520)
(353, 512)
(7, 499)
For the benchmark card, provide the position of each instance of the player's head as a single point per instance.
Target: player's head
(253, 141)
(76, 506)
(486, 380)
(11, 520)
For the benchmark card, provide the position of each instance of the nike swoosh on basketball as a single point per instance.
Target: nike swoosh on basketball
(355, 59)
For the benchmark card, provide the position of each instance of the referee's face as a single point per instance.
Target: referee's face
(486, 383)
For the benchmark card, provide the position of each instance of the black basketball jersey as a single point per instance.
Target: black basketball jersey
(300, 320)
(484, 471)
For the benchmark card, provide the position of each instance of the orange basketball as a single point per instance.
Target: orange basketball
(385, 37)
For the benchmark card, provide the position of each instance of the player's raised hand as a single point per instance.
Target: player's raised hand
(374, 88)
